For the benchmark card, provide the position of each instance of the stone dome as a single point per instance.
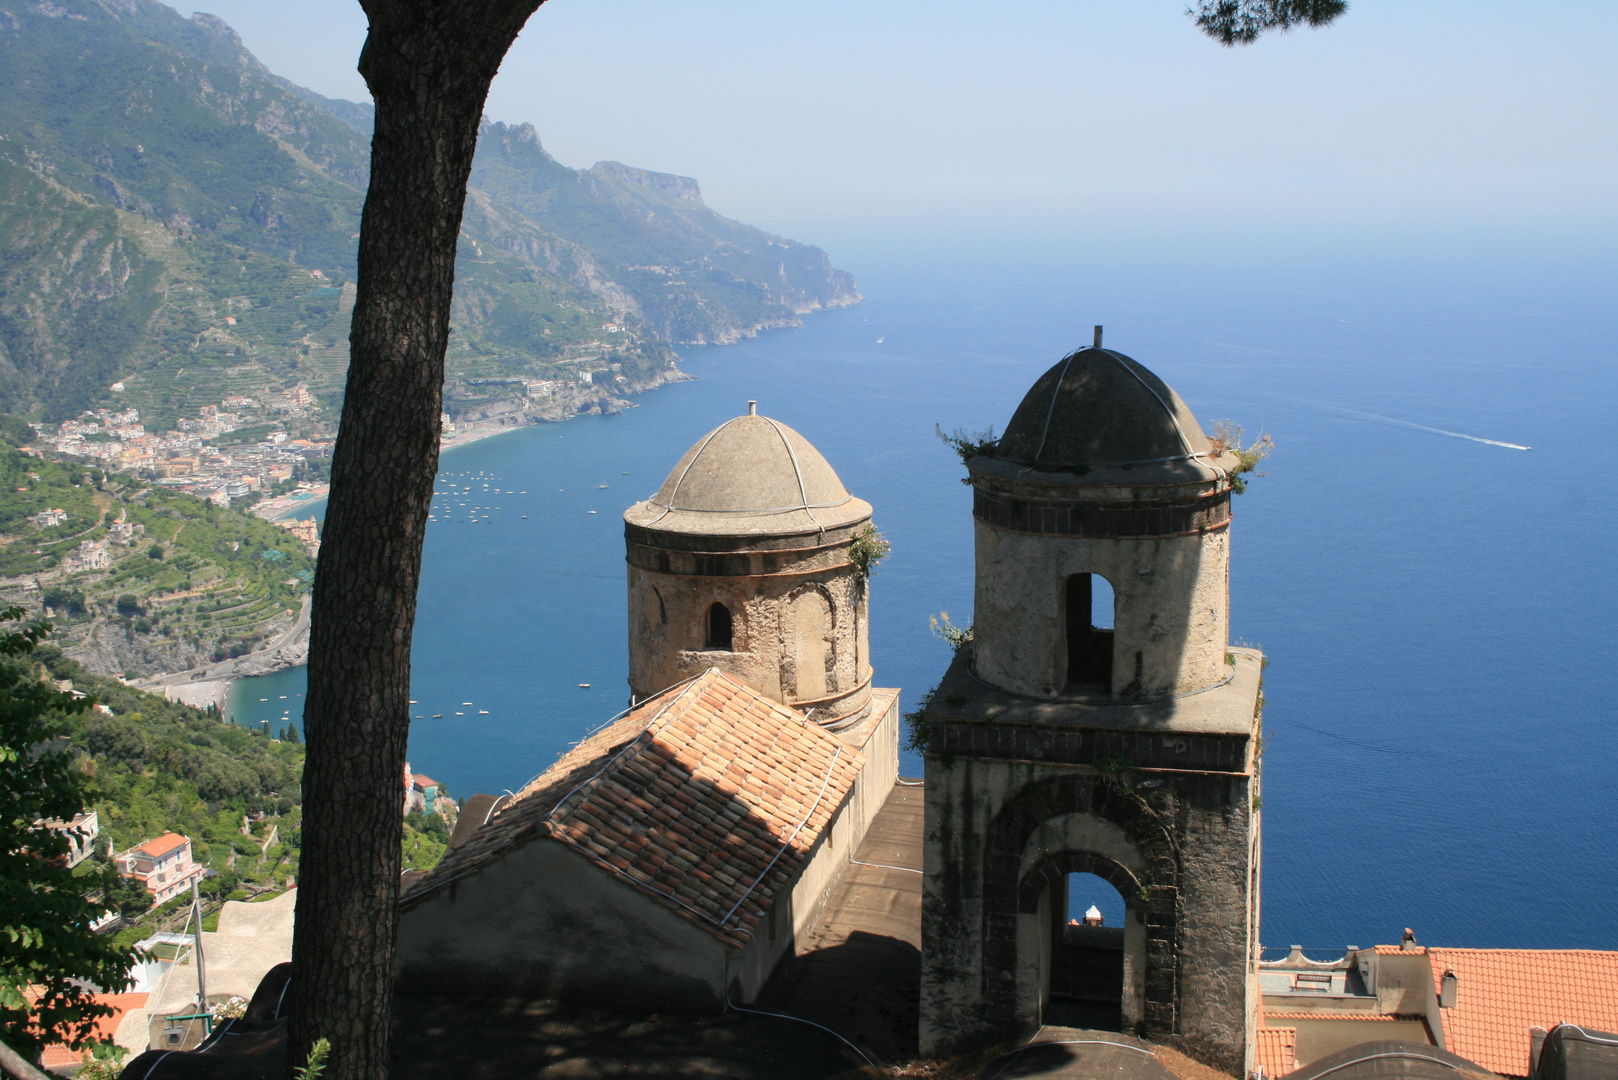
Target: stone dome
(750, 475)
(1097, 408)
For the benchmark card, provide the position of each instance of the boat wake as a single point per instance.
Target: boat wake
(1377, 418)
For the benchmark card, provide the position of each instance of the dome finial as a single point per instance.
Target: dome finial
(752, 407)
(1097, 345)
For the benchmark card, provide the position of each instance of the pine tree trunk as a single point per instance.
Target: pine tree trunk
(428, 65)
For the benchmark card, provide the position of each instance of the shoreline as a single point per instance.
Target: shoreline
(214, 692)
(210, 684)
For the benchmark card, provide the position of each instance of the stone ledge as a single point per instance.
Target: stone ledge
(962, 700)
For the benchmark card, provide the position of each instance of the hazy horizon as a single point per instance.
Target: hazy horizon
(1073, 118)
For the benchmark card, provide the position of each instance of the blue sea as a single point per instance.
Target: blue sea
(1437, 604)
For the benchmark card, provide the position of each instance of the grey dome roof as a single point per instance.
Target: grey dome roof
(751, 474)
(1098, 408)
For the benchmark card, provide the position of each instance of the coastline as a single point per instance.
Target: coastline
(211, 684)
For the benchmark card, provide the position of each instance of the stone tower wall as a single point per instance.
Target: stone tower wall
(1180, 847)
(1171, 614)
(800, 624)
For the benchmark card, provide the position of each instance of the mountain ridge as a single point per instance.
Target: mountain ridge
(192, 177)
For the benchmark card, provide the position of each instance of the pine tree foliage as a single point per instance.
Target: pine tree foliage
(1241, 22)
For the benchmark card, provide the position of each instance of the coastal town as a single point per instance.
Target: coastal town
(191, 457)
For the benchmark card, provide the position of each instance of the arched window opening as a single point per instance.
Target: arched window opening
(719, 631)
(1087, 955)
(1090, 605)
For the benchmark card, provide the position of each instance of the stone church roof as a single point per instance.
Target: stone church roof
(707, 798)
(1098, 408)
(750, 475)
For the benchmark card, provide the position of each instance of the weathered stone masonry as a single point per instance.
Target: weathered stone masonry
(1056, 744)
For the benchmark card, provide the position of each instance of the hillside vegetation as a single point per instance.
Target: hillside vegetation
(159, 766)
(176, 218)
(196, 582)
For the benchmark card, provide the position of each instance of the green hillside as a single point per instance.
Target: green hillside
(694, 275)
(159, 766)
(175, 217)
(196, 583)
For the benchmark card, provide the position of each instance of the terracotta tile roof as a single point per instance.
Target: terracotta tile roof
(706, 797)
(163, 845)
(422, 781)
(57, 1054)
(1501, 993)
(1275, 1051)
(1341, 1014)
(1397, 950)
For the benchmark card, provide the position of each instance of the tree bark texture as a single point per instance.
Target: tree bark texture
(428, 64)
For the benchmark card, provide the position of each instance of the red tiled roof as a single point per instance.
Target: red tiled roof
(707, 798)
(163, 845)
(423, 781)
(57, 1054)
(1276, 1050)
(1340, 1014)
(1501, 993)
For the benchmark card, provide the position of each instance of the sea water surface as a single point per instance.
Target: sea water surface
(1436, 602)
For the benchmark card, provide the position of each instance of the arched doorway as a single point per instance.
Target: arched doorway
(812, 645)
(1085, 977)
(1087, 954)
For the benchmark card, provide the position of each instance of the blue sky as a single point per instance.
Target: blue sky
(842, 115)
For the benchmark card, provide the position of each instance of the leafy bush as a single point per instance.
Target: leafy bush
(968, 444)
(1228, 436)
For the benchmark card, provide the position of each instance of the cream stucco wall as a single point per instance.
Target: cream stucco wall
(1171, 610)
(547, 922)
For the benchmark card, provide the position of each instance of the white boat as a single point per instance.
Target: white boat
(483, 712)
(584, 686)
(466, 704)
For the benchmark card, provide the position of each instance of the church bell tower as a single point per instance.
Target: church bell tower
(1098, 722)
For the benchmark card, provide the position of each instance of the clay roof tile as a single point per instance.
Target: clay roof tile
(688, 797)
(1501, 993)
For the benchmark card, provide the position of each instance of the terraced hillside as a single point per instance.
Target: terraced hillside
(193, 583)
